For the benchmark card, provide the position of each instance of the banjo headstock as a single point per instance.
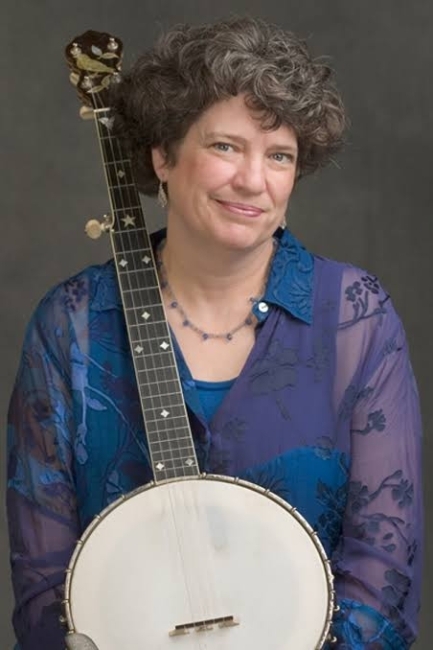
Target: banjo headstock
(94, 59)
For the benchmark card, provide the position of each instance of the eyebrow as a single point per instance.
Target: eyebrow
(237, 138)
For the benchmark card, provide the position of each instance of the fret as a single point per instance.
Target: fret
(179, 457)
(130, 239)
(163, 396)
(143, 350)
(137, 281)
(164, 384)
(126, 271)
(151, 361)
(139, 251)
(167, 445)
(127, 239)
(136, 234)
(146, 312)
(155, 377)
(141, 307)
(122, 186)
(154, 428)
(108, 136)
(158, 402)
(123, 196)
(110, 146)
(146, 275)
(143, 319)
(163, 420)
(179, 454)
(151, 330)
(153, 394)
(166, 436)
(121, 161)
(131, 208)
(134, 298)
(130, 230)
(170, 471)
(159, 436)
(161, 344)
(167, 367)
(148, 330)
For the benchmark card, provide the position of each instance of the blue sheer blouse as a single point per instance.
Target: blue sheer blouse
(324, 413)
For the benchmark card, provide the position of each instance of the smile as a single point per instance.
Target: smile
(241, 208)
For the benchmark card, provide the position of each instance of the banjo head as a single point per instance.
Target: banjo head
(208, 563)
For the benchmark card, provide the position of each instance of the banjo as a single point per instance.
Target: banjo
(190, 561)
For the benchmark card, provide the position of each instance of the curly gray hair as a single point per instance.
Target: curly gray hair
(192, 67)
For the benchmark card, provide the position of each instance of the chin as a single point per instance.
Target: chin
(240, 241)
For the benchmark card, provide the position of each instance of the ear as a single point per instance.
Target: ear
(159, 160)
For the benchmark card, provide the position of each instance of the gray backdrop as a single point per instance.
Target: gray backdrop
(374, 209)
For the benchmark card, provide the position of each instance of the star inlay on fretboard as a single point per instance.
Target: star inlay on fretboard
(128, 221)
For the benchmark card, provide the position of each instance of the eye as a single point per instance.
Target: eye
(222, 146)
(281, 157)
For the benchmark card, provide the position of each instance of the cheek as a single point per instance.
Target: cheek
(211, 173)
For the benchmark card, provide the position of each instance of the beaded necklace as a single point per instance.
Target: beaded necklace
(248, 321)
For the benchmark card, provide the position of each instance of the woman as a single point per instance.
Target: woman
(294, 368)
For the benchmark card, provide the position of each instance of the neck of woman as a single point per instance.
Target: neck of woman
(215, 276)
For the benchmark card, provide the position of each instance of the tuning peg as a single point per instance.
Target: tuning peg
(86, 113)
(75, 50)
(113, 45)
(95, 228)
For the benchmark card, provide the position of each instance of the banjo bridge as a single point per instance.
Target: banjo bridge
(204, 626)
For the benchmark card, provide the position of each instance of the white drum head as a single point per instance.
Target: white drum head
(187, 555)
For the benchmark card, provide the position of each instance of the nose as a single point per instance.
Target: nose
(250, 175)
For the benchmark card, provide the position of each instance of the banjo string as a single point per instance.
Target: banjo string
(134, 244)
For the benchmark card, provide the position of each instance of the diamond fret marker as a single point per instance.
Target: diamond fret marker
(189, 462)
(107, 122)
(146, 259)
(138, 349)
(120, 173)
(145, 315)
(165, 413)
(160, 466)
(123, 263)
(128, 221)
(164, 345)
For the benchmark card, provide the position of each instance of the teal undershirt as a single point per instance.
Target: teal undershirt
(211, 394)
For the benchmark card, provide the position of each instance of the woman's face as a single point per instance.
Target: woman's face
(231, 181)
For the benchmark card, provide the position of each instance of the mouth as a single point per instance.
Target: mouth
(243, 209)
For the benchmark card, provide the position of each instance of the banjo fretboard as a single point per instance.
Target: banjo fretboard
(167, 426)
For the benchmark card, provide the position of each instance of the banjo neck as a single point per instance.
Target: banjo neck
(169, 436)
(167, 426)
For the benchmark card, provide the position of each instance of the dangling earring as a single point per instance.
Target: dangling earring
(162, 196)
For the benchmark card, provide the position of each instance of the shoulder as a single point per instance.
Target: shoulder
(367, 320)
(362, 296)
(94, 287)
(67, 305)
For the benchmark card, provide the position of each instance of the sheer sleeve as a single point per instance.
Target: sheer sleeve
(40, 496)
(378, 563)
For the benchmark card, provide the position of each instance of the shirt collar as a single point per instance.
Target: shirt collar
(290, 282)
